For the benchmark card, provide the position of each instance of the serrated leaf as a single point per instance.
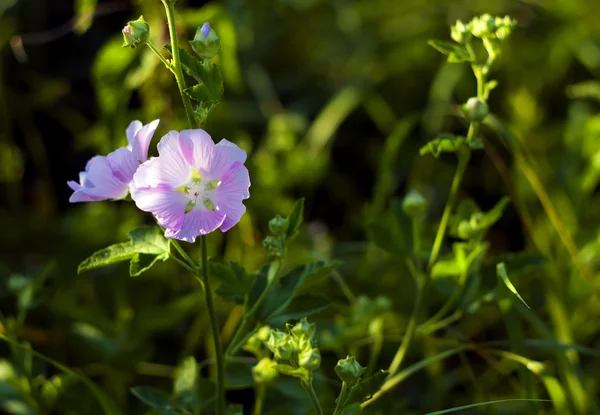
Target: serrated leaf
(141, 263)
(366, 388)
(204, 72)
(146, 240)
(149, 240)
(456, 52)
(109, 255)
(295, 219)
(303, 306)
(501, 272)
(236, 283)
(154, 398)
(444, 143)
(280, 297)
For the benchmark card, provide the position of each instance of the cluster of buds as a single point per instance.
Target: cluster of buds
(485, 26)
(294, 352)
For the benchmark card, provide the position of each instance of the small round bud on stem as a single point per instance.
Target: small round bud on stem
(414, 204)
(264, 371)
(459, 32)
(349, 370)
(206, 43)
(304, 328)
(475, 109)
(136, 33)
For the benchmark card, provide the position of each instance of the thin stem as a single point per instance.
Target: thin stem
(313, 397)
(463, 162)
(176, 63)
(235, 343)
(184, 254)
(183, 264)
(260, 399)
(160, 56)
(215, 330)
(341, 399)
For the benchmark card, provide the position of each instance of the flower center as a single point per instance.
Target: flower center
(199, 191)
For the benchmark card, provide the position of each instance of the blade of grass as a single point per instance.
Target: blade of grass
(475, 405)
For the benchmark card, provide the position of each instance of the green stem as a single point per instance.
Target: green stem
(313, 397)
(184, 254)
(260, 399)
(235, 342)
(183, 264)
(176, 63)
(463, 162)
(215, 330)
(341, 400)
(160, 56)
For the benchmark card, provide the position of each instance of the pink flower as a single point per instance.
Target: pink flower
(108, 177)
(194, 186)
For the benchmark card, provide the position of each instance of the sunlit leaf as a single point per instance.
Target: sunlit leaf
(501, 271)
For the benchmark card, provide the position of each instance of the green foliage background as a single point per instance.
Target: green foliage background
(332, 100)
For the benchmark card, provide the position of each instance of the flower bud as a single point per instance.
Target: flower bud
(310, 359)
(277, 225)
(414, 204)
(475, 109)
(349, 370)
(264, 371)
(206, 43)
(304, 328)
(136, 32)
(281, 345)
(256, 342)
(459, 32)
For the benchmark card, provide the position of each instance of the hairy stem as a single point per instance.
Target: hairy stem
(215, 330)
(176, 63)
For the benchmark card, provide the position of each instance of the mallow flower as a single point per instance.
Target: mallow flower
(108, 177)
(194, 186)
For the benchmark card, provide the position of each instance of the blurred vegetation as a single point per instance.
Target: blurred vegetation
(332, 99)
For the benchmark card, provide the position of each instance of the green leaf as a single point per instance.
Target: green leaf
(280, 297)
(303, 306)
(204, 72)
(236, 282)
(501, 272)
(186, 376)
(295, 219)
(154, 398)
(238, 375)
(147, 240)
(456, 52)
(109, 255)
(475, 405)
(366, 388)
(141, 263)
(444, 143)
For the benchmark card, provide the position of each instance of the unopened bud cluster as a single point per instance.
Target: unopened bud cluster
(294, 351)
(485, 26)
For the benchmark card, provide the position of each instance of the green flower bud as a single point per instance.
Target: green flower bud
(349, 370)
(483, 26)
(256, 342)
(304, 328)
(310, 359)
(414, 204)
(459, 32)
(281, 345)
(475, 109)
(264, 371)
(136, 33)
(504, 26)
(206, 43)
(278, 225)
(353, 409)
